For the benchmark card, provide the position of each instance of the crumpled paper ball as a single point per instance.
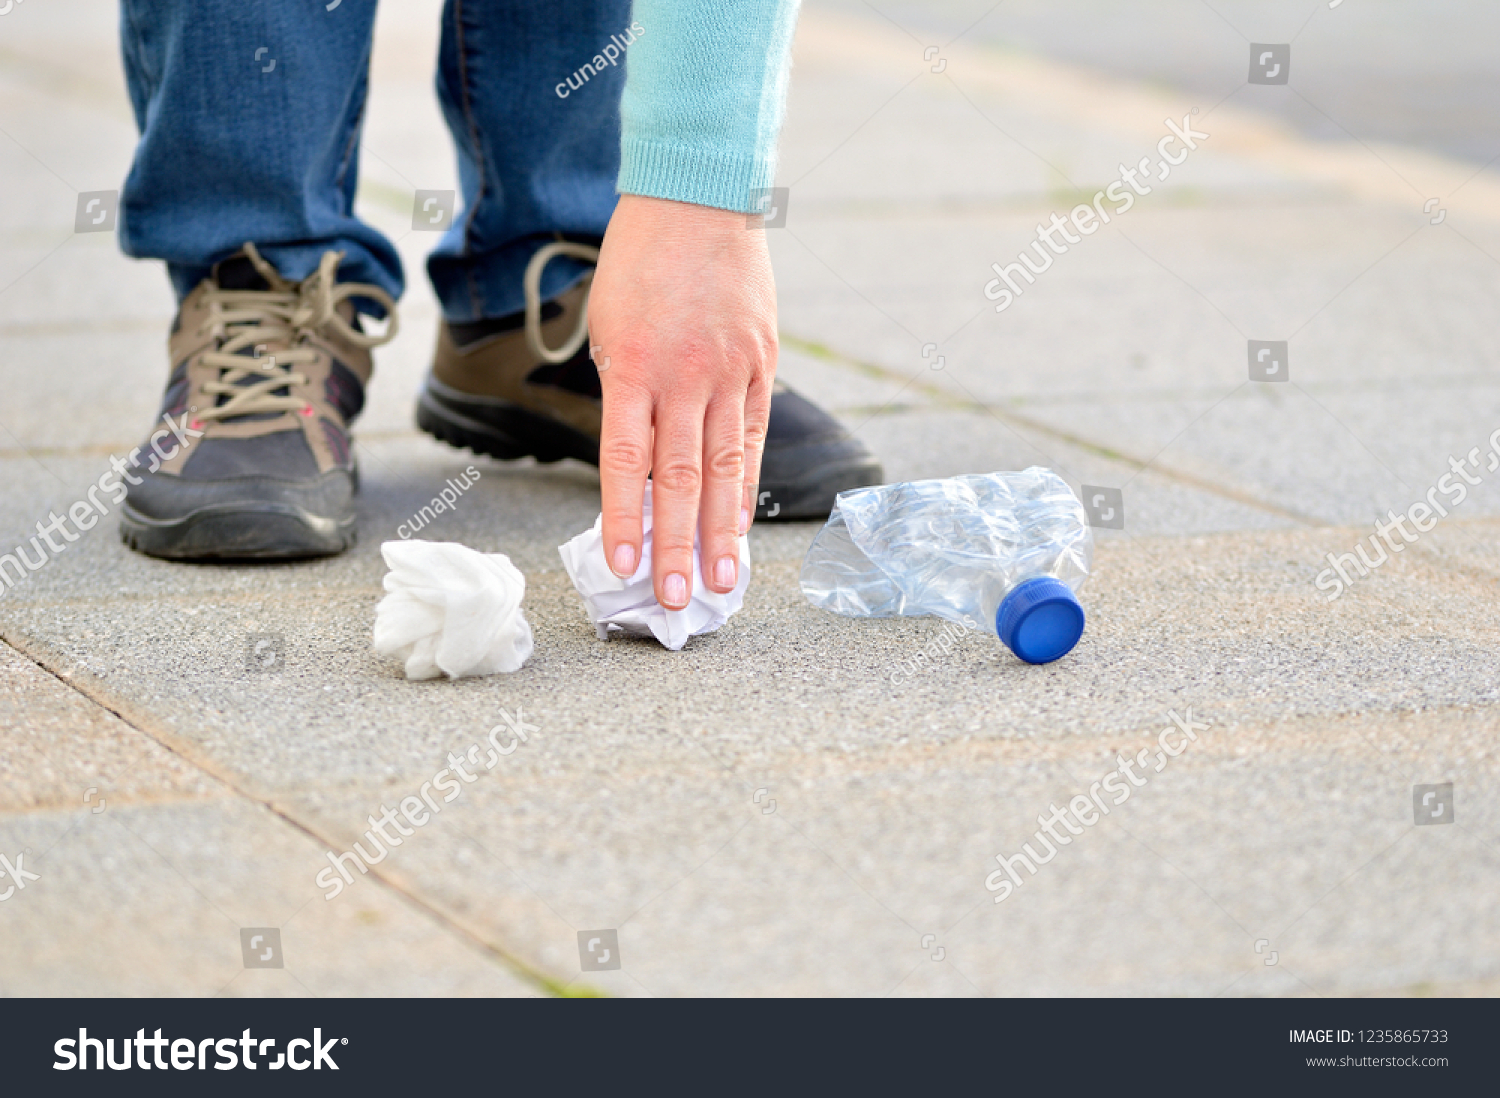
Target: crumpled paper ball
(451, 610)
(629, 606)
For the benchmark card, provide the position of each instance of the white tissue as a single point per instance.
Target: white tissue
(451, 610)
(630, 606)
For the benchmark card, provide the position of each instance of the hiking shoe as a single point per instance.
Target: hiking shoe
(267, 375)
(525, 386)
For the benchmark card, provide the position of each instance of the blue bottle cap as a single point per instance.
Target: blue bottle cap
(1040, 620)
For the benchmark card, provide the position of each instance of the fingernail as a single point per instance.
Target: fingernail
(674, 587)
(724, 571)
(624, 563)
(744, 519)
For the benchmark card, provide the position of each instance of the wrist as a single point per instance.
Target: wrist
(691, 215)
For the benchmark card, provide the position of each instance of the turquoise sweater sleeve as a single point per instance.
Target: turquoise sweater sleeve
(705, 90)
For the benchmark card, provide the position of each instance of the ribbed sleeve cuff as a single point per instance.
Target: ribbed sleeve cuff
(705, 177)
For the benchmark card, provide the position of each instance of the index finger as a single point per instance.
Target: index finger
(624, 461)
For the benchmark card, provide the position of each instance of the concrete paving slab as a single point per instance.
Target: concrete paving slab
(123, 834)
(1333, 456)
(1169, 291)
(1394, 72)
(868, 851)
(599, 819)
(1270, 636)
(146, 900)
(978, 440)
(60, 751)
(1160, 307)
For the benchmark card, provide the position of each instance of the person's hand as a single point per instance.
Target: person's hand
(683, 318)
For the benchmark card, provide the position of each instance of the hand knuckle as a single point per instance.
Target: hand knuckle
(727, 464)
(631, 350)
(770, 346)
(627, 454)
(678, 476)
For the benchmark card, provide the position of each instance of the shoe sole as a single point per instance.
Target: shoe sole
(232, 532)
(509, 432)
(499, 429)
(811, 498)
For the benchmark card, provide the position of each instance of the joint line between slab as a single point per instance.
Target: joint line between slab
(124, 711)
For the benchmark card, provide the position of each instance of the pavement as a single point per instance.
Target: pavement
(1396, 71)
(793, 806)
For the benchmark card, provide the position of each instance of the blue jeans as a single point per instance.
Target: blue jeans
(235, 148)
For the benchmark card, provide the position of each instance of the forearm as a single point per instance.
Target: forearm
(705, 92)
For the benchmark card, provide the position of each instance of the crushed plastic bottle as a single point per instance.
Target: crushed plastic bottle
(1002, 551)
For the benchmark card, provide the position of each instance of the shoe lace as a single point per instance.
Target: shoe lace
(531, 286)
(287, 314)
